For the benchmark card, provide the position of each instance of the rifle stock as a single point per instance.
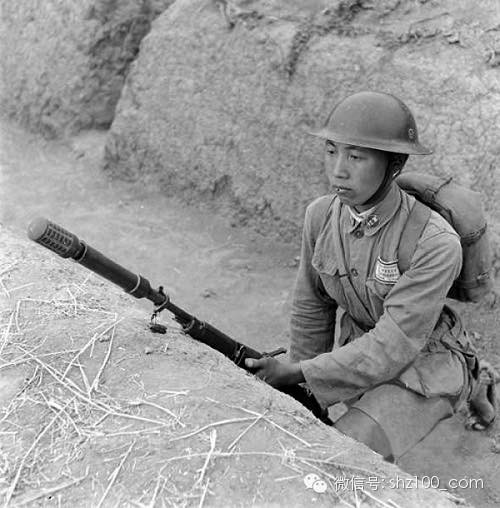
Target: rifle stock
(68, 245)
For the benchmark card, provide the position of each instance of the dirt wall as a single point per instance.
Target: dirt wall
(95, 410)
(221, 94)
(63, 63)
(219, 100)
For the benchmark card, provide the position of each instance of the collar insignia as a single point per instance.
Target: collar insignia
(372, 221)
(387, 271)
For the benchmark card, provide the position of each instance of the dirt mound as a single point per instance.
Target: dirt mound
(222, 93)
(64, 63)
(97, 410)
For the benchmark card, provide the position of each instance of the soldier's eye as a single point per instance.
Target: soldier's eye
(331, 148)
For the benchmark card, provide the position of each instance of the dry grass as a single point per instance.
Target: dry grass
(60, 407)
(69, 434)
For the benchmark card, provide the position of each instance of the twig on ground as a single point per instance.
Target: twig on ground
(73, 388)
(102, 335)
(53, 490)
(226, 455)
(155, 495)
(16, 315)
(100, 325)
(286, 478)
(115, 474)
(68, 384)
(154, 430)
(4, 288)
(291, 434)
(100, 420)
(29, 381)
(8, 269)
(334, 490)
(80, 286)
(379, 501)
(171, 393)
(21, 287)
(205, 490)
(455, 499)
(140, 402)
(28, 300)
(13, 485)
(31, 351)
(23, 359)
(218, 454)
(274, 424)
(157, 490)
(95, 383)
(75, 304)
(101, 311)
(53, 404)
(215, 424)
(89, 343)
(235, 441)
(6, 332)
(213, 438)
(85, 379)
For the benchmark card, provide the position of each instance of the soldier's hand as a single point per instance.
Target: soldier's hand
(276, 373)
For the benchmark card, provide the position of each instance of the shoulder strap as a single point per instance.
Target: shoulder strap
(417, 220)
(324, 211)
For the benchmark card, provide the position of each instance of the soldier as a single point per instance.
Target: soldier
(399, 358)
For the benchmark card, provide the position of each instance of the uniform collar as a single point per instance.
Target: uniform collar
(360, 216)
(379, 215)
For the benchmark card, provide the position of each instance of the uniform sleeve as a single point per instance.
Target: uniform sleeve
(411, 310)
(313, 314)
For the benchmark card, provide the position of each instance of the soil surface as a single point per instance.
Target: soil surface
(233, 278)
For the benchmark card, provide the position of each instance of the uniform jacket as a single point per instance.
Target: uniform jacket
(393, 327)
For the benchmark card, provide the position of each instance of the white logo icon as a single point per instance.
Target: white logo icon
(313, 481)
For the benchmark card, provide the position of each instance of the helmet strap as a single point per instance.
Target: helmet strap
(394, 168)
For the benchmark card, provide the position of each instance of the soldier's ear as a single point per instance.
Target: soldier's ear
(396, 163)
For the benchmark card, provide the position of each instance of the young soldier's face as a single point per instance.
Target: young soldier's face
(355, 173)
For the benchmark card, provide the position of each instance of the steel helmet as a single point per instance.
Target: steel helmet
(374, 120)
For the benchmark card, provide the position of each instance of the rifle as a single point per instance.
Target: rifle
(68, 245)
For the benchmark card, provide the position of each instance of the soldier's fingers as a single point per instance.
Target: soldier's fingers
(254, 364)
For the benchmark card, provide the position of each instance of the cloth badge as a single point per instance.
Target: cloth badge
(387, 271)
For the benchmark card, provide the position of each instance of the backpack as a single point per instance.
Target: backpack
(462, 209)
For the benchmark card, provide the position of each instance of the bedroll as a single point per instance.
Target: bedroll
(463, 209)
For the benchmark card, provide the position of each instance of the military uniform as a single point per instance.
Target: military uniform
(397, 351)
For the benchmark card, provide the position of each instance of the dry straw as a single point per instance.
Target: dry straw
(73, 409)
(77, 405)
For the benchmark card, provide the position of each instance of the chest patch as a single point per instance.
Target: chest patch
(387, 271)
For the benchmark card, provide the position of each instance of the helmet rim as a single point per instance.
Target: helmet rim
(376, 144)
(376, 120)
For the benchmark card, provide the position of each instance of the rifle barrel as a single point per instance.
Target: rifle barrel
(68, 245)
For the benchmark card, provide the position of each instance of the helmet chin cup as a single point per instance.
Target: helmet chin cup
(375, 120)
